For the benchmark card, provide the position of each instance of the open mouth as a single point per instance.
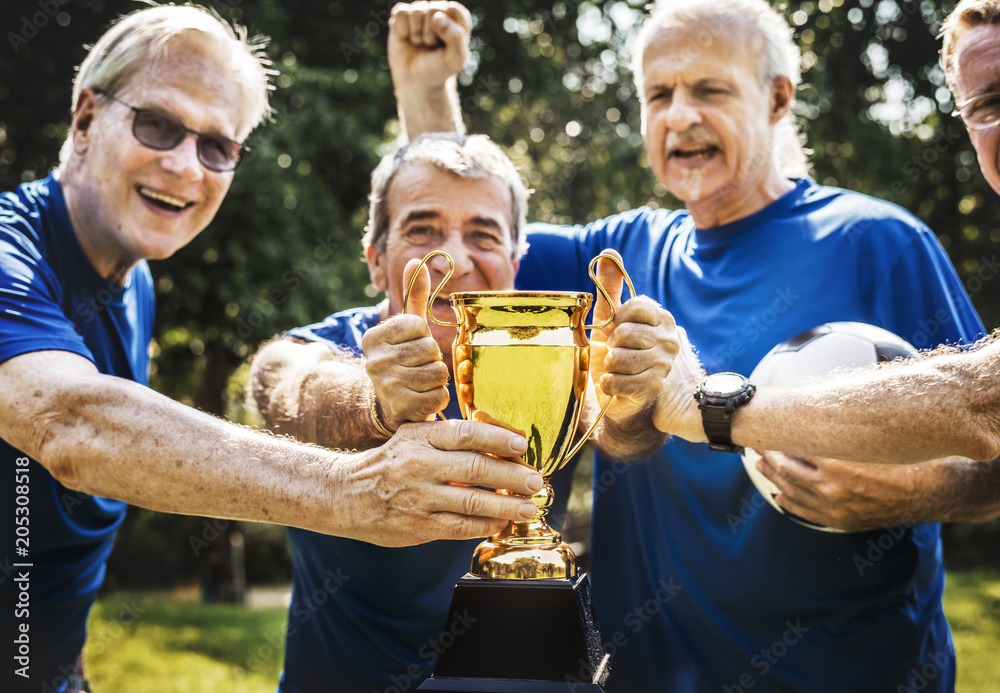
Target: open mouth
(694, 151)
(162, 200)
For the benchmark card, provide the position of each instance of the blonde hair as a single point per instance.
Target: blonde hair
(755, 19)
(140, 38)
(966, 15)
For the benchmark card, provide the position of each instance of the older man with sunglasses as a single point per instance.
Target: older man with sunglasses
(160, 107)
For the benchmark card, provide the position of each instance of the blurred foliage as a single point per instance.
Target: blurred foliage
(548, 80)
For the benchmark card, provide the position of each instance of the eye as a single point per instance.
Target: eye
(661, 94)
(421, 234)
(485, 240)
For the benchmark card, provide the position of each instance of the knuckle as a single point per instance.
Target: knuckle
(473, 503)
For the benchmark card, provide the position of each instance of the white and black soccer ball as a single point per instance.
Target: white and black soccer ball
(815, 353)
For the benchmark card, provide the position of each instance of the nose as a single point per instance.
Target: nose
(460, 255)
(683, 111)
(182, 160)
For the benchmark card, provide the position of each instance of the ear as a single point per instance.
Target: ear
(782, 93)
(84, 115)
(376, 268)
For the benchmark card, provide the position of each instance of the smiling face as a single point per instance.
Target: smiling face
(978, 72)
(708, 123)
(469, 218)
(129, 202)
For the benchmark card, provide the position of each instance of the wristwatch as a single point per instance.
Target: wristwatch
(718, 396)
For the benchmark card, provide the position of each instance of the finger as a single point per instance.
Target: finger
(421, 292)
(804, 511)
(476, 502)
(472, 435)
(611, 278)
(430, 39)
(399, 24)
(455, 526)
(786, 472)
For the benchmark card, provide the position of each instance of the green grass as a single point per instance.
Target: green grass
(155, 642)
(158, 642)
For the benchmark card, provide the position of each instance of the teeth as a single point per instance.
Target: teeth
(161, 197)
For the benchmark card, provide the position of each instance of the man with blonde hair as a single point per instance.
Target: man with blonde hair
(160, 109)
(697, 586)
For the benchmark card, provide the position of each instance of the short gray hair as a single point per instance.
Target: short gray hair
(467, 156)
(138, 39)
(966, 15)
(779, 56)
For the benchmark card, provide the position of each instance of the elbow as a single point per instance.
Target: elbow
(982, 439)
(58, 442)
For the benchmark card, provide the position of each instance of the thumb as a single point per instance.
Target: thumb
(421, 291)
(612, 279)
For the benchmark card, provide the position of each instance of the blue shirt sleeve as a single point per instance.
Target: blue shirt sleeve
(31, 313)
(922, 299)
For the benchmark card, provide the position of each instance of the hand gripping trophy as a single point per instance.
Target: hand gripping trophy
(522, 361)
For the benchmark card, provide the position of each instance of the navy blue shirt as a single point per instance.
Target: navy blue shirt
(699, 585)
(52, 298)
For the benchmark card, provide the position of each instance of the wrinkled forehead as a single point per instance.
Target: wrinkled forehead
(978, 61)
(430, 191)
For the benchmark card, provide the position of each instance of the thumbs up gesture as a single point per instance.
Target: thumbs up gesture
(403, 361)
(631, 357)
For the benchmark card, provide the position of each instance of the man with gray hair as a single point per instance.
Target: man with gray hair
(161, 106)
(698, 584)
(442, 191)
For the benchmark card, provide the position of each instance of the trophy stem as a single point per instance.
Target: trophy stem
(528, 550)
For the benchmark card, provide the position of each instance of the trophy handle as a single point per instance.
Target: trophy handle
(451, 270)
(604, 293)
(600, 287)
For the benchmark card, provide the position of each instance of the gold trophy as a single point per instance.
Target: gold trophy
(522, 361)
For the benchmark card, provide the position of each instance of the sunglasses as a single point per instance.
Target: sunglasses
(162, 132)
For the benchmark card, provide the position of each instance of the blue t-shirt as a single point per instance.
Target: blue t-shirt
(368, 618)
(52, 298)
(698, 584)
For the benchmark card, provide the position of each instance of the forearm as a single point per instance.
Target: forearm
(946, 405)
(113, 438)
(433, 109)
(307, 392)
(959, 490)
(633, 438)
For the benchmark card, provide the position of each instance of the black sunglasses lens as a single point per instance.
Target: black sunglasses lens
(218, 153)
(157, 130)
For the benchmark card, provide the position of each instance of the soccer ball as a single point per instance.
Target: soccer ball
(814, 353)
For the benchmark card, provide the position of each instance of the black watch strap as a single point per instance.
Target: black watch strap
(718, 424)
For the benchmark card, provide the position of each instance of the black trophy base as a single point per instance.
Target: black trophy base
(522, 636)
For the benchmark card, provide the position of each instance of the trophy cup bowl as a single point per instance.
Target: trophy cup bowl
(522, 360)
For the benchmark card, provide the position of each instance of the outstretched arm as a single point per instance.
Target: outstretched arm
(428, 47)
(111, 437)
(947, 404)
(944, 405)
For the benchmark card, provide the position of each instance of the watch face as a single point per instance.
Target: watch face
(724, 384)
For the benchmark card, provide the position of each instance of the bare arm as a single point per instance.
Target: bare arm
(312, 393)
(111, 437)
(945, 405)
(428, 47)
